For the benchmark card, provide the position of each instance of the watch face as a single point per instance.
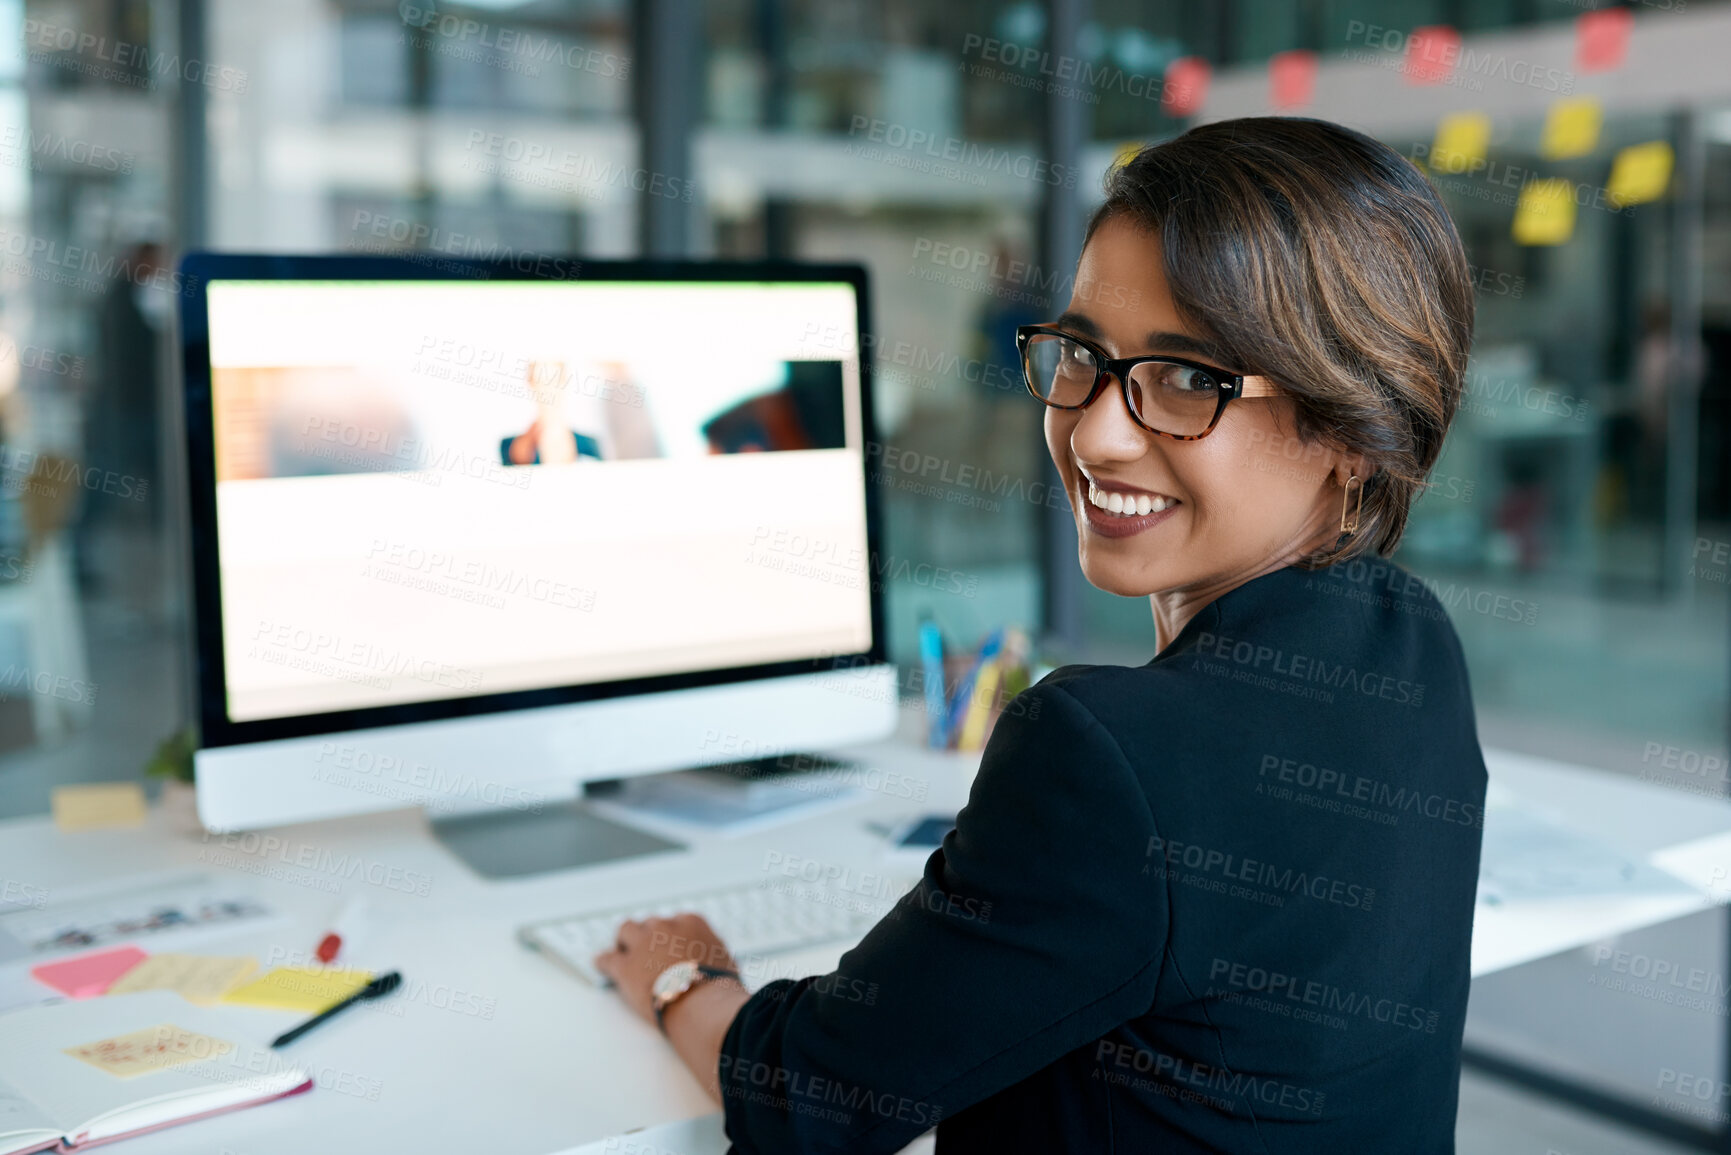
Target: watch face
(674, 979)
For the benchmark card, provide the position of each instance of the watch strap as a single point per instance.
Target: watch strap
(703, 972)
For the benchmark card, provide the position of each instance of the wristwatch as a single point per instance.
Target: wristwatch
(673, 982)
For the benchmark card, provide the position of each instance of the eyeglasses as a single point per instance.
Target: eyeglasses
(1170, 396)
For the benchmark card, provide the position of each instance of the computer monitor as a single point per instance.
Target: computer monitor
(467, 533)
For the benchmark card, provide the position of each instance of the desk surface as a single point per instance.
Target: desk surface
(493, 1047)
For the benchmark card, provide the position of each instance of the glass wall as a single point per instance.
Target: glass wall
(1579, 522)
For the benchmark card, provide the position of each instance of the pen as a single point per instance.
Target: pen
(383, 985)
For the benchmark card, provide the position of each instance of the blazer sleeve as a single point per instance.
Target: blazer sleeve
(1037, 927)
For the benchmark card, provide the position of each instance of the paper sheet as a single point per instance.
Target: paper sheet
(306, 989)
(152, 1049)
(197, 978)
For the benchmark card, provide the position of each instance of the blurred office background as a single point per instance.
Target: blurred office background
(1579, 527)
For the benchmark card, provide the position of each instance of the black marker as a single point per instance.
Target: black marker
(383, 985)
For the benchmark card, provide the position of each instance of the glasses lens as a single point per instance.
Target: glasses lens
(1174, 398)
(1058, 369)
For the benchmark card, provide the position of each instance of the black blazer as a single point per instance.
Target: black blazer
(1221, 902)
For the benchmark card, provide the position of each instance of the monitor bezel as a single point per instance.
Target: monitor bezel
(198, 269)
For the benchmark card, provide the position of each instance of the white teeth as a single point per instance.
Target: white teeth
(1137, 506)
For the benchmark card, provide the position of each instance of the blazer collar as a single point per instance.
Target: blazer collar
(1267, 594)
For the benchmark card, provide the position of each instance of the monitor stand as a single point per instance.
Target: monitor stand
(563, 835)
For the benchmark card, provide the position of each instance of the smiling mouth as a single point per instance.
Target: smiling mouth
(1127, 504)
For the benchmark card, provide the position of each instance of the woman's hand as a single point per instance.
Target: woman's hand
(646, 948)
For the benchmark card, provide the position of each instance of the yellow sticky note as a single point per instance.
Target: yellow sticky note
(197, 978)
(1546, 212)
(1571, 128)
(1125, 152)
(92, 805)
(1461, 141)
(152, 1049)
(308, 989)
(1640, 173)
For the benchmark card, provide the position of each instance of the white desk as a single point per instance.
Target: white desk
(561, 1067)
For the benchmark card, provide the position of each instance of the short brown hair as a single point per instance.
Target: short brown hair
(1322, 259)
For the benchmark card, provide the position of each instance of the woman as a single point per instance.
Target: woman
(1222, 901)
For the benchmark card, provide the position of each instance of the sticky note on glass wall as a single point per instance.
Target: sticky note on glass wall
(1571, 128)
(1546, 212)
(93, 805)
(1292, 78)
(1125, 152)
(1431, 53)
(1602, 39)
(1462, 138)
(1185, 86)
(1640, 173)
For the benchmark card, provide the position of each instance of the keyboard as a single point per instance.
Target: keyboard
(760, 917)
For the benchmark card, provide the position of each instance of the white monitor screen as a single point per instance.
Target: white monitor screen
(431, 490)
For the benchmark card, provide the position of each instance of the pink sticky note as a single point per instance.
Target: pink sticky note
(1431, 53)
(1602, 39)
(1292, 78)
(88, 975)
(1185, 87)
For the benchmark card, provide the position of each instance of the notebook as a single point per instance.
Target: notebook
(80, 1073)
